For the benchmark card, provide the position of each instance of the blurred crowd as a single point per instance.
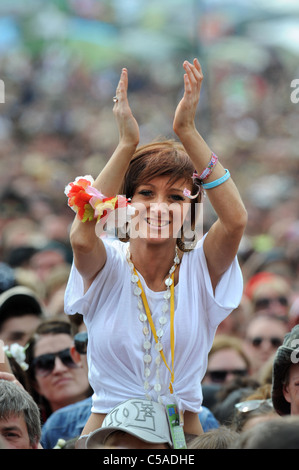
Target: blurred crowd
(57, 123)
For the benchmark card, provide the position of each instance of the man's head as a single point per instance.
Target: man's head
(286, 374)
(20, 426)
(133, 424)
(264, 334)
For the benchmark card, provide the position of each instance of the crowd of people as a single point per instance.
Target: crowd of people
(46, 398)
(249, 398)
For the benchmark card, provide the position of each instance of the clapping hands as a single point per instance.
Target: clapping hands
(186, 109)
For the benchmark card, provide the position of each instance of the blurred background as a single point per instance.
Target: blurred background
(60, 61)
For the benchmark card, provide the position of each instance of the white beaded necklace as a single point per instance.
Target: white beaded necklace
(143, 317)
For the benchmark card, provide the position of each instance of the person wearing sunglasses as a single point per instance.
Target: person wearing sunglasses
(226, 361)
(264, 334)
(68, 422)
(55, 369)
(269, 294)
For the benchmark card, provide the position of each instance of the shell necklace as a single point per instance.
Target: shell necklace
(148, 325)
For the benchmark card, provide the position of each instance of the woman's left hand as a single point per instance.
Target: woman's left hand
(186, 109)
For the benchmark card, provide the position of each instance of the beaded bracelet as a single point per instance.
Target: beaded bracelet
(88, 202)
(198, 179)
(207, 171)
(218, 182)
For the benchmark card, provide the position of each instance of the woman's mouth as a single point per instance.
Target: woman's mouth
(157, 222)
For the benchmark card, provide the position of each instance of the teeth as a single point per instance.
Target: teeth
(157, 223)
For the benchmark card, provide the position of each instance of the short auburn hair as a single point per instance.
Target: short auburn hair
(158, 159)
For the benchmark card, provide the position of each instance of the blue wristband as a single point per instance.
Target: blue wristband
(215, 183)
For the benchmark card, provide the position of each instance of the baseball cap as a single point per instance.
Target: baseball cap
(141, 418)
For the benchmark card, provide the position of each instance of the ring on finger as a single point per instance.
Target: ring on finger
(115, 99)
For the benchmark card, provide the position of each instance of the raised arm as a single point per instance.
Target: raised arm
(88, 249)
(222, 241)
(110, 178)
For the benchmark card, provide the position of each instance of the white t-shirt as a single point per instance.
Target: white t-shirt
(115, 339)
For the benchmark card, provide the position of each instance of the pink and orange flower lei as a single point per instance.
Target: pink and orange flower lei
(88, 202)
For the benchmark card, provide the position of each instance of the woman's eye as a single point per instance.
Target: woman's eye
(177, 197)
(145, 192)
(149, 193)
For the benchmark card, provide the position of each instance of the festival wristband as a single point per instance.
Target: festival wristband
(207, 171)
(218, 182)
(198, 179)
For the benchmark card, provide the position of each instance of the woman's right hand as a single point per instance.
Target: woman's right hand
(127, 125)
(88, 248)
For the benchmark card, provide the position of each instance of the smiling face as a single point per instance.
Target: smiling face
(156, 178)
(161, 209)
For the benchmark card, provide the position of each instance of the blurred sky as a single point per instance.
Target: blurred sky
(101, 32)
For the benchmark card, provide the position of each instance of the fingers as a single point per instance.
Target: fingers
(194, 75)
(187, 83)
(10, 378)
(123, 81)
(124, 78)
(197, 66)
(122, 87)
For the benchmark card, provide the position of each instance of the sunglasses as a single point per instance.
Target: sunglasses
(252, 405)
(43, 365)
(266, 302)
(80, 341)
(219, 376)
(257, 341)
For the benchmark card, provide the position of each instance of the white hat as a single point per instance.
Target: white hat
(19, 299)
(144, 419)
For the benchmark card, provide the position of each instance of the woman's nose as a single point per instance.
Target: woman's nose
(159, 207)
(59, 366)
